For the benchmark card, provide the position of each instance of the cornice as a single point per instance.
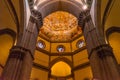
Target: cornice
(61, 53)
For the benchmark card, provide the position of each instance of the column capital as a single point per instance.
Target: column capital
(38, 16)
(84, 17)
(102, 51)
(19, 52)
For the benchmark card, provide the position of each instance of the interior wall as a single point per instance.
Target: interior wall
(80, 58)
(6, 43)
(6, 19)
(114, 40)
(38, 74)
(83, 73)
(113, 15)
(54, 57)
(41, 58)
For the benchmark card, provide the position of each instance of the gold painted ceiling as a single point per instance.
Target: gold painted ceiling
(60, 26)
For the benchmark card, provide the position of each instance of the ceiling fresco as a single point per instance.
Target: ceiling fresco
(60, 26)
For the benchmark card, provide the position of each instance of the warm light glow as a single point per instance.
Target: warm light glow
(61, 69)
(6, 42)
(114, 40)
(35, 7)
(85, 7)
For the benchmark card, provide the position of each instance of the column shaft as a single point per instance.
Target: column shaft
(102, 60)
(19, 63)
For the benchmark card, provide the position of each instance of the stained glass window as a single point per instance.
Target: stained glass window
(80, 43)
(41, 44)
(60, 48)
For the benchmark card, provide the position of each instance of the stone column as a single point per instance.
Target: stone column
(19, 63)
(102, 60)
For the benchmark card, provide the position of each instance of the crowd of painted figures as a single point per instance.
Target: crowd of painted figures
(60, 26)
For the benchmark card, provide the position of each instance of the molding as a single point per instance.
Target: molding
(16, 20)
(61, 53)
(61, 77)
(47, 7)
(111, 30)
(79, 50)
(38, 66)
(9, 32)
(43, 51)
(81, 66)
(68, 53)
(70, 63)
(102, 51)
(64, 59)
(107, 11)
(19, 52)
(69, 41)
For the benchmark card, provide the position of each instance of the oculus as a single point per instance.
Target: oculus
(41, 44)
(80, 43)
(60, 48)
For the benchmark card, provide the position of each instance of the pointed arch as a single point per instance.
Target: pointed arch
(61, 59)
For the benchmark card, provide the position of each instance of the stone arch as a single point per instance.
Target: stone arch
(113, 39)
(9, 32)
(7, 40)
(61, 59)
(64, 60)
(112, 30)
(70, 6)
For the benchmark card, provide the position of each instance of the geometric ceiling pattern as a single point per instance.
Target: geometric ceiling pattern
(60, 26)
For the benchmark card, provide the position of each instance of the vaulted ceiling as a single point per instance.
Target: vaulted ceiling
(11, 18)
(60, 26)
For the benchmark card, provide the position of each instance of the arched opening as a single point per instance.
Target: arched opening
(72, 6)
(61, 69)
(6, 42)
(60, 24)
(113, 38)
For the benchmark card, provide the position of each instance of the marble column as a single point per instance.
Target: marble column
(102, 60)
(21, 56)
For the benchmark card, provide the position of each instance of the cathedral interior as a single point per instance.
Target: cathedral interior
(59, 40)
